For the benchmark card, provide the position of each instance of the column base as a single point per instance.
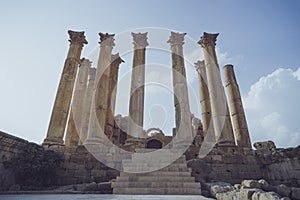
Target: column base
(97, 145)
(53, 141)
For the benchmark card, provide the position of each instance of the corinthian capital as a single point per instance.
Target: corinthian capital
(208, 39)
(115, 58)
(140, 40)
(77, 37)
(107, 39)
(176, 38)
(199, 64)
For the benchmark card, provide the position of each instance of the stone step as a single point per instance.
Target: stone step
(167, 151)
(156, 191)
(154, 179)
(150, 169)
(154, 160)
(157, 173)
(138, 170)
(155, 185)
(157, 157)
(179, 165)
(143, 150)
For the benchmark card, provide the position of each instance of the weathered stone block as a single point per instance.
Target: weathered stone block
(220, 187)
(250, 184)
(265, 196)
(283, 190)
(295, 193)
(91, 186)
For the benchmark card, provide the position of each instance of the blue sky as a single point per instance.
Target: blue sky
(257, 37)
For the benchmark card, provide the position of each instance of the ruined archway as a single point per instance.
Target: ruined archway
(154, 144)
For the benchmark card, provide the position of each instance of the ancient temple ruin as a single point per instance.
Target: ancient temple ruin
(99, 146)
(91, 118)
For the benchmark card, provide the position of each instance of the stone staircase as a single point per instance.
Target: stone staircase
(173, 179)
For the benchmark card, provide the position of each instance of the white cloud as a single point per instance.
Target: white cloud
(272, 107)
(297, 74)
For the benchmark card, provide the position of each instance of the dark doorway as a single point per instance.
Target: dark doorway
(154, 144)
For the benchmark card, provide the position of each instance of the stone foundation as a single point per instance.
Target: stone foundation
(232, 165)
(81, 167)
(10, 146)
(227, 164)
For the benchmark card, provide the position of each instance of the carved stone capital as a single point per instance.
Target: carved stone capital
(107, 39)
(176, 38)
(85, 62)
(116, 59)
(77, 37)
(199, 64)
(208, 39)
(140, 40)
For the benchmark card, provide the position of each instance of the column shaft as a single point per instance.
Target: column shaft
(101, 87)
(136, 103)
(112, 92)
(75, 117)
(204, 96)
(236, 107)
(87, 106)
(219, 108)
(181, 101)
(61, 106)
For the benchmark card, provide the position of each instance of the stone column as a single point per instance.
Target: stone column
(75, 117)
(236, 106)
(112, 92)
(101, 87)
(136, 103)
(204, 95)
(87, 106)
(181, 100)
(219, 108)
(61, 106)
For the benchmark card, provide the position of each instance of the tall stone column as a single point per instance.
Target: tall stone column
(236, 106)
(87, 105)
(219, 108)
(136, 103)
(101, 87)
(61, 106)
(181, 100)
(75, 117)
(204, 95)
(112, 92)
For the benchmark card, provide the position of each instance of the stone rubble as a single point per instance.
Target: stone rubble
(250, 190)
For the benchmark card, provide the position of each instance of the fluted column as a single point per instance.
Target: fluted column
(75, 118)
(111, 101)
(236, 106)
(219, 108)
(87, 105)
(204, 95)
(101, 87)
(63, 98)
(181, 101)
(136, 103)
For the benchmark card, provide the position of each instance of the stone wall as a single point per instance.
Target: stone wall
(80, 166)
(284, 167)
(233, 165)
(10, 146)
